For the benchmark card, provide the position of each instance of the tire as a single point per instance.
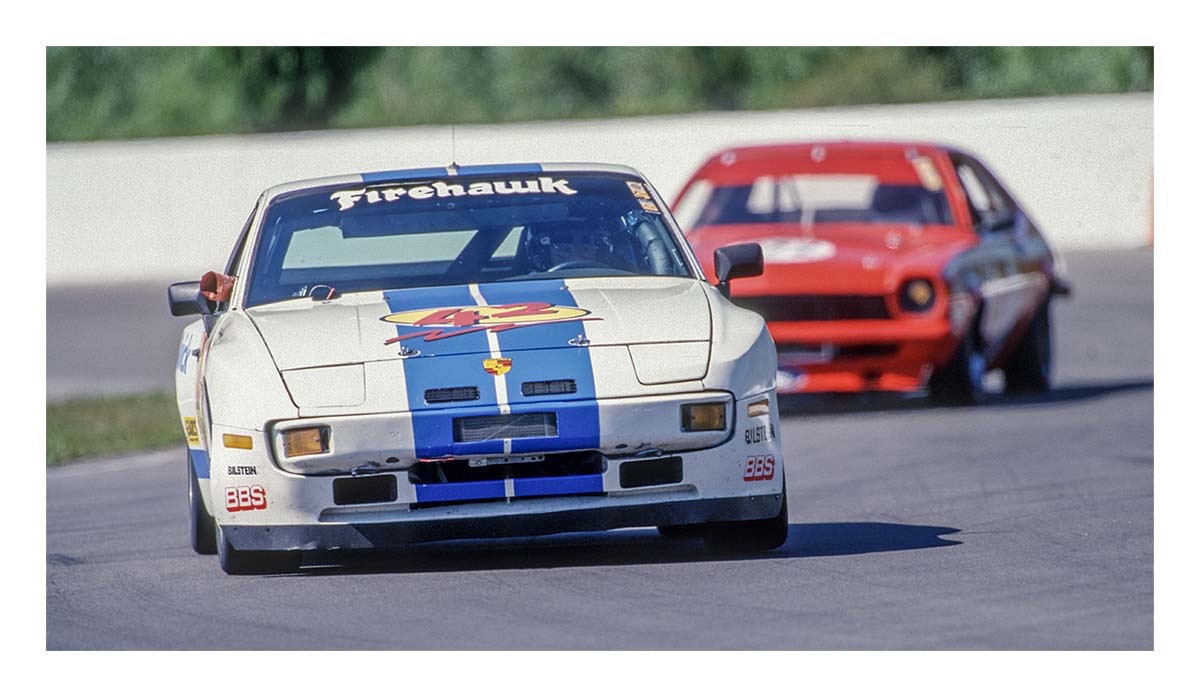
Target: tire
(1028, 368)
(750, 535)
(960, 382)
(238, 563)
(202, 529)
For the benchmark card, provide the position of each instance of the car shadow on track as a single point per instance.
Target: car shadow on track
(622, 548)
(832, 403)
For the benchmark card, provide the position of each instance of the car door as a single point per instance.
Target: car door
(189, 371)
(1008, 260)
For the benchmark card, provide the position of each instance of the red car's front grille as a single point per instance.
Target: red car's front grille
(824, 353)
(815, 308)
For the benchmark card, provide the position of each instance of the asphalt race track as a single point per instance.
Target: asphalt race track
(1023, 524)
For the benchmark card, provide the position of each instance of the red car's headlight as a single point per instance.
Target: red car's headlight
(917, 295)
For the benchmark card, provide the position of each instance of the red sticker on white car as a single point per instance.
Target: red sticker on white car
(245, 498)
(759, 468)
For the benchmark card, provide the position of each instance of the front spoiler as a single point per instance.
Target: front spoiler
(586, 517)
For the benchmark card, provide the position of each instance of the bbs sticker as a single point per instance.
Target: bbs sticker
(245, 498)
(759, 468)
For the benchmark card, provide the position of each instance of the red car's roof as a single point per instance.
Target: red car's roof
(889, 161)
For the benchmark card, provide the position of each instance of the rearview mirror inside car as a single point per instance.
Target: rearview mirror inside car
(737, 261)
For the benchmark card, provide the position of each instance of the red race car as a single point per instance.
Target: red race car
(889, 266)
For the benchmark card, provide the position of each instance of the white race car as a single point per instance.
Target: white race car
(472, 352)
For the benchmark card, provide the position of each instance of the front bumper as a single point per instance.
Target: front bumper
(737, 475)
(860, 355)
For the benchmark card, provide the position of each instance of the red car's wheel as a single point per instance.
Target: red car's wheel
(1028, 369)
(960, 382)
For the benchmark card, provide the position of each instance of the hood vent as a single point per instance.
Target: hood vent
(451, 394)
(545, 387)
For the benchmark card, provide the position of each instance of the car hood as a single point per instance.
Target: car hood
(834, 258)
(479, 319)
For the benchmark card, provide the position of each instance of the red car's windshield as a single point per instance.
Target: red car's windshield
(815, 198)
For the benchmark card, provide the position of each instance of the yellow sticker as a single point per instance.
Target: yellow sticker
(649, 207)
(639, 190)
(189, 430)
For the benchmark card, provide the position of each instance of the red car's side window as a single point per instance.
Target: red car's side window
(985, 201)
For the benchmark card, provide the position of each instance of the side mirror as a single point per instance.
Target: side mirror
(737, 261)
(185, 299)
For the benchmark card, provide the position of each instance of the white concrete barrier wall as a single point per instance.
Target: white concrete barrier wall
(169, 209)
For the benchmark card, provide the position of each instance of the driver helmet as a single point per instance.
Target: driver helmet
(551, 244)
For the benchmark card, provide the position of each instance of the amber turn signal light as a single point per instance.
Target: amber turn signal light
(760, 408)
(238, 442)
(707, 416)
(304, 441)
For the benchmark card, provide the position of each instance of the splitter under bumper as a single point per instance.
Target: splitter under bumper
(514, 518)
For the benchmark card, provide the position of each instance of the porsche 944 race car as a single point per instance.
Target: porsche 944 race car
(888, 266)
(472, 352)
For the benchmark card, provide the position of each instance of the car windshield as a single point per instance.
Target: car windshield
(816, 198)
(451, 231)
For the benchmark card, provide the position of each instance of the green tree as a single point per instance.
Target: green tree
(125, 92)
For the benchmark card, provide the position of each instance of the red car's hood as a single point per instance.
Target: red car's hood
(830, 258)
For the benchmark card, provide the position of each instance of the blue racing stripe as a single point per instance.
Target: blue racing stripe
(522, 168)
(543, 352)
(539, 352)
(559, 486)
(444, 361)
(199, 462)
(462, 491)
(397, 174)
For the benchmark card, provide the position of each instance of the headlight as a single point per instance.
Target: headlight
(916, 295)
(305, 441)
(706, 416)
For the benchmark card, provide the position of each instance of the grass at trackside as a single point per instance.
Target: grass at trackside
(95, 426)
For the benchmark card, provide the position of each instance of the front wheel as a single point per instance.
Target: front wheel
(960, 381)
(1028, 369)
(750, 535)
(202, 529)
(240, 562)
